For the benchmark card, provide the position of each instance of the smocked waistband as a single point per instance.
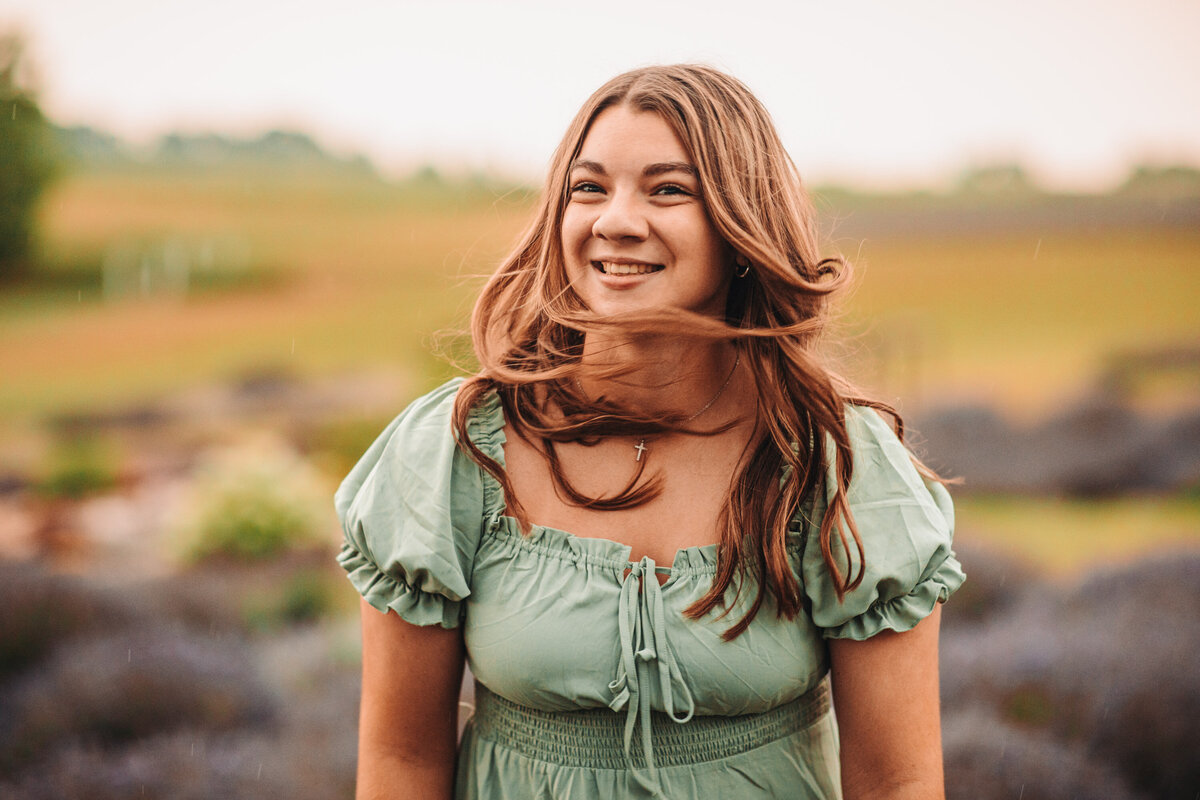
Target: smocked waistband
(594, 738)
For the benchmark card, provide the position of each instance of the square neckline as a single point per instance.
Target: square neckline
(708, 552)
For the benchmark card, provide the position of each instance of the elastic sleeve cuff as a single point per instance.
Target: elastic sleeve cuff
(385, 592)
(902, 613)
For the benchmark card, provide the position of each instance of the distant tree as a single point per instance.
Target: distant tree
(84, 146)
(427, 175)
(1164, 181)
(27, 161)
(996, 179)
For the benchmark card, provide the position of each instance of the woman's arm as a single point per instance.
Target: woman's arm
(885, 695)
(408, 721)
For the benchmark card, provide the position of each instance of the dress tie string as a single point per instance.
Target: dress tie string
(642, 626)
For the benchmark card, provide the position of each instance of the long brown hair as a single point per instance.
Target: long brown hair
(528, 328)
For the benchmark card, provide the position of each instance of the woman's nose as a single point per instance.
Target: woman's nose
(621, 218)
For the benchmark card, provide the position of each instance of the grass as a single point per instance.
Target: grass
(1022, 320)
(1068, 537)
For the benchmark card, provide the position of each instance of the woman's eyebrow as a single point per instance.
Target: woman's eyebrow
(590, 166)
(669, 166)
(660, 168)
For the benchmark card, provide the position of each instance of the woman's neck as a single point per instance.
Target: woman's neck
(666, 374)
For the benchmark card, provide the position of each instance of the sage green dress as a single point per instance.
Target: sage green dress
(594, 683)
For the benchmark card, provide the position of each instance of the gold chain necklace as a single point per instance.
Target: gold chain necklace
(641, 448)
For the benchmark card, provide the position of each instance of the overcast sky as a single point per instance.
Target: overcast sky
(878, 93)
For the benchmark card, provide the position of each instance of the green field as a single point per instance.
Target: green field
(1063, 537)
(1025, 320)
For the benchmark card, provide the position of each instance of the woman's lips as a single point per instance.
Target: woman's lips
(626, 267)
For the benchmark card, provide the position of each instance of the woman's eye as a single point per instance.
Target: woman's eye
(586, 187)
(670, 189)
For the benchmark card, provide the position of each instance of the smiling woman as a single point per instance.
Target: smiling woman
(664, 536)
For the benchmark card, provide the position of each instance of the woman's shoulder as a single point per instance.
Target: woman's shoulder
(428, 420)
(419, 453)
(412, 511)
(421, 426)
(432, 410)
(881, 459)
(866, 424)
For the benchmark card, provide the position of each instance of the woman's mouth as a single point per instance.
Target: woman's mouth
(626, 268)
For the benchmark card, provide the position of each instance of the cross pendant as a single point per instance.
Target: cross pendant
(641, 448)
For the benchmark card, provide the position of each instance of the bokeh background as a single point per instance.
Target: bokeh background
(237, 238)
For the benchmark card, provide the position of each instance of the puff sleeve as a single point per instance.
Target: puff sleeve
(412, 514)
(906, 524)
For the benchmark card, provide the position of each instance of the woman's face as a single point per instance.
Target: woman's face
(635, 232)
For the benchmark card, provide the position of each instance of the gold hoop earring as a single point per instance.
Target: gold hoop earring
(743, 266)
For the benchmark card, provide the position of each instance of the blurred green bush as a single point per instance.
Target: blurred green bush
(78, 466)
(303, 597)
(254, 501)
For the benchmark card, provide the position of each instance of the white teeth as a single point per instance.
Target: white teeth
(628, 269)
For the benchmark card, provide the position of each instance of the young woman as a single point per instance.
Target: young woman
(667, 540)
